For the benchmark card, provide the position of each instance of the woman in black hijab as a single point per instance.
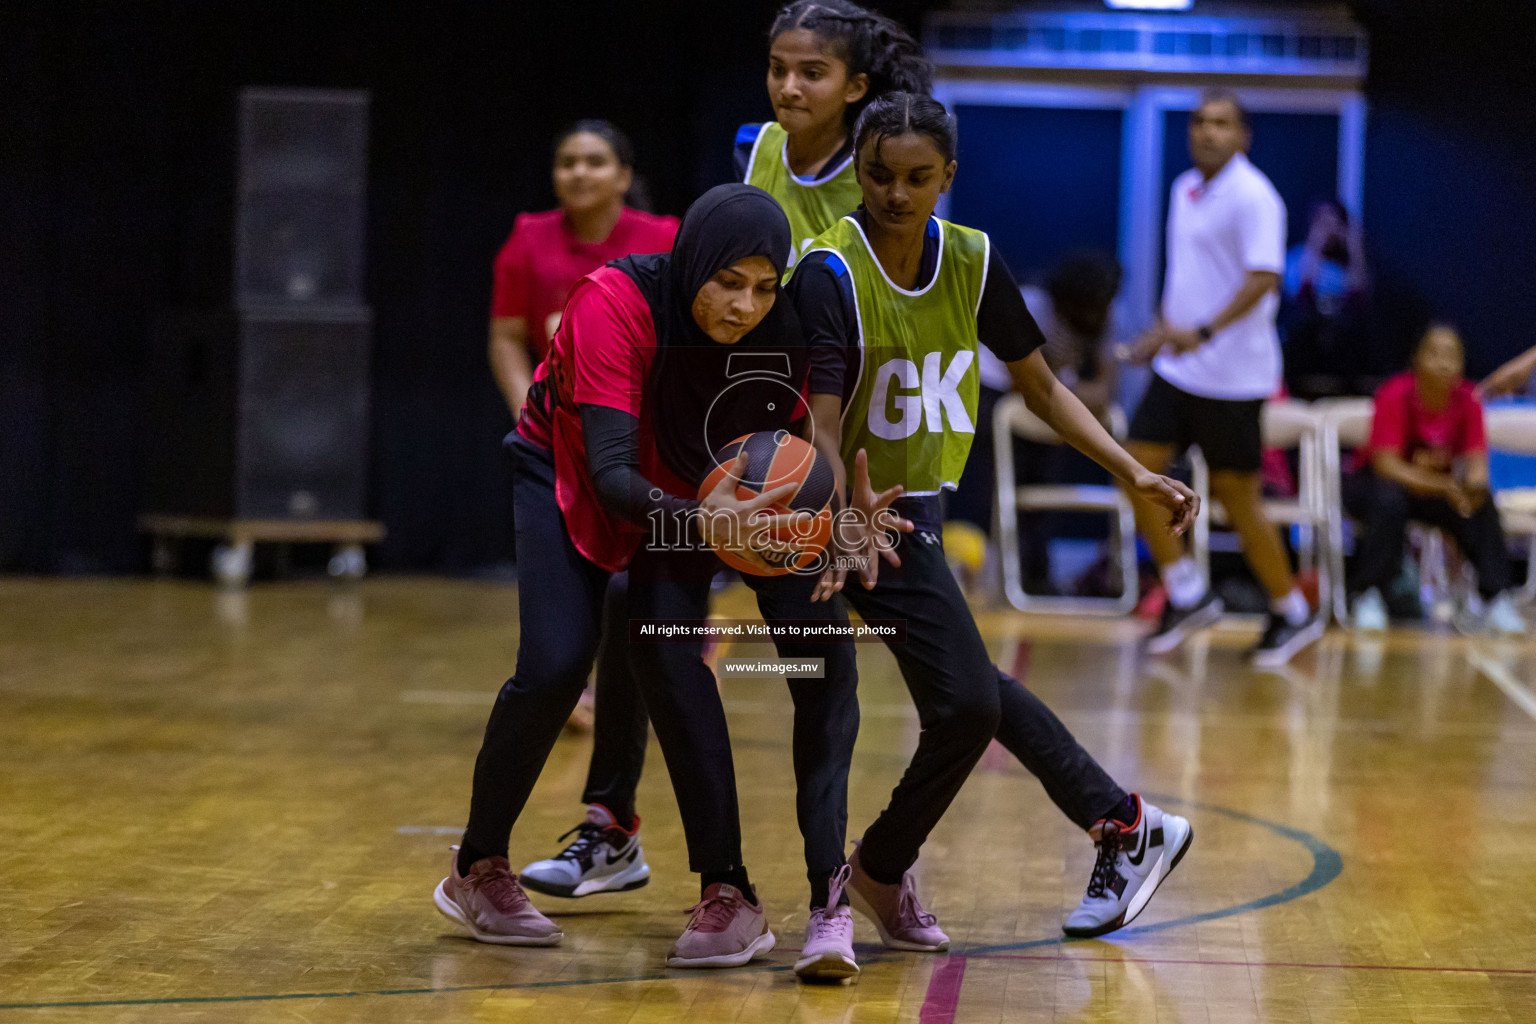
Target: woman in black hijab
(622, 422)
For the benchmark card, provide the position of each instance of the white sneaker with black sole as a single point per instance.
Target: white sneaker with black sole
(604, 858)
(1132, 863)
(1281, 640)
(1178, 624)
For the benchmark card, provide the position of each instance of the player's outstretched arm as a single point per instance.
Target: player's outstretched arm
(824, 429)
(1055, 403)
(1510, 378)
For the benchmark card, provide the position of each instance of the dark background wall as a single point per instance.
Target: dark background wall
(1450, 172)
(116, 167)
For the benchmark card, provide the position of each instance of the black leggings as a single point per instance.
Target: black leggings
(559, 628)
(680, 692)
(561, 624)
(963, 701)
(621, 727)
(1384, 510)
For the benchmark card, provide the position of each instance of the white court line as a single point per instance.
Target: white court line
(436, 830)
(1504, 680)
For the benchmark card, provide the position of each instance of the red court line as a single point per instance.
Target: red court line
(943, 992)
(1261, 963)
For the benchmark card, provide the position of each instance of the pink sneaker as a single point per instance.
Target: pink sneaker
(899, 918)
(828, 950)
(491, 906)
(724, 931)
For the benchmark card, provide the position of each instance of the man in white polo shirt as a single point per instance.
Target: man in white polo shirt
(1215, 359)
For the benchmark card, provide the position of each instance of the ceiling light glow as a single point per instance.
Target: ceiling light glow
(1150, 5)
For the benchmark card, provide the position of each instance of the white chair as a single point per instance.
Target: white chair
(1013, 419)
(1512, 429)
(1346, 424)
(1285, 424)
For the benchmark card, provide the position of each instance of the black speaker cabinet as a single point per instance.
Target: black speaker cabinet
(260, 413)
(300, 197)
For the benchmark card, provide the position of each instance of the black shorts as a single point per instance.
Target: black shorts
(1227, 431)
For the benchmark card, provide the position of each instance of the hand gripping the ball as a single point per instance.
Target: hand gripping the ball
(743, 527)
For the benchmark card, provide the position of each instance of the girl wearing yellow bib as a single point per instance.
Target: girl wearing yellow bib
(895, 303)
(828, 59)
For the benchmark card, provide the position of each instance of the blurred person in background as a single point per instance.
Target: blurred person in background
(1325, 292)
(549, 252)
(1427, 461)
(1074, 311)
(1215, 358)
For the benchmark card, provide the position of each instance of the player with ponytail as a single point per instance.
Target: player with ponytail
(827, 61)
(895, 304)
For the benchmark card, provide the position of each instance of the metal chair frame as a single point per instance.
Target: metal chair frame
(1013, 419)
(1512, 428)
(1285, 424)
(1346, 423)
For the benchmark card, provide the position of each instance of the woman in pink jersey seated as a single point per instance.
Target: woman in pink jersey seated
(1427, 461)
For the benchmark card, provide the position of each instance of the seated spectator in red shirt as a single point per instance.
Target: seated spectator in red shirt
(1427, 460)
(549, 252)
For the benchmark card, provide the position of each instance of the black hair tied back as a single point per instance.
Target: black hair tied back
(869, 43)
(902, 113)
(617, 141)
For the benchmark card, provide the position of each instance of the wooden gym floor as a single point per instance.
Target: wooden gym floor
(234, 806)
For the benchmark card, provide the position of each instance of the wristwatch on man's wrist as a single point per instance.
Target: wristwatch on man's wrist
(1205, 332)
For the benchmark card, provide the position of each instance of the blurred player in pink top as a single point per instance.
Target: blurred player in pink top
(549, 252)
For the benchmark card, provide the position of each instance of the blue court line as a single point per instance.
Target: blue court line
(1326, 865)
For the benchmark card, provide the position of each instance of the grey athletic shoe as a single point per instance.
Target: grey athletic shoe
(1132, 863)
(604, 858)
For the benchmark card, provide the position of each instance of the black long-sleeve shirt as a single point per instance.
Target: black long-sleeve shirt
(613, 460)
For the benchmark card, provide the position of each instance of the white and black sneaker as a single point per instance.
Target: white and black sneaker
(1282, 640)
(604, 858)
(1177, 624)
(1132, 863)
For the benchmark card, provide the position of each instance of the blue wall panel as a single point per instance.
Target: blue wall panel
(1298, 152)
(1040, 181)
